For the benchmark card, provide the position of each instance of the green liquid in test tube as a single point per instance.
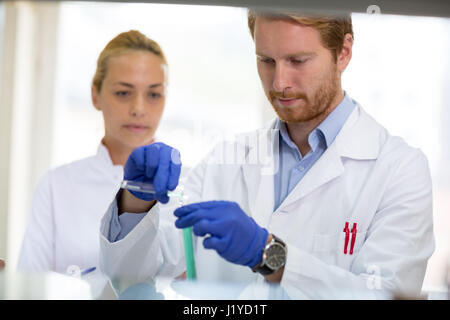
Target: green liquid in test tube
(187, 232)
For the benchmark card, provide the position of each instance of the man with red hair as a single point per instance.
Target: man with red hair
(339, 208)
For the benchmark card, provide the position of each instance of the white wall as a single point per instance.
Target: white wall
(27, 84)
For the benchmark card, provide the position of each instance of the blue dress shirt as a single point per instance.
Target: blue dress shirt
(121, 225)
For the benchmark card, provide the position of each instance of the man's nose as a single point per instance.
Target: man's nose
(281, 79)
(138, 106)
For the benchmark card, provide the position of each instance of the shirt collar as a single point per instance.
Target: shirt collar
(280, 125)
(332, 124)
(327, 130)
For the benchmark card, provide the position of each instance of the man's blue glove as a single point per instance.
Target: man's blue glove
(234, 235)
(157, 164)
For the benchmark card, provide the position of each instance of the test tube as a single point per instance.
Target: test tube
(187, 232)
(148, 188)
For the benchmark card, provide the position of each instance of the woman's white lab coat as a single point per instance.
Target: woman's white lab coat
(366, 177)
(62, 230)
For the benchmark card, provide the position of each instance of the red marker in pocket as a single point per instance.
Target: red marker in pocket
(347, 235)
(353, 238)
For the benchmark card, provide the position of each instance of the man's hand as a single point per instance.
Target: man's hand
(234, 235)
(157, 164)
(2, 264)
(277, 275)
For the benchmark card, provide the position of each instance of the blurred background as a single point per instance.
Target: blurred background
(400, 73)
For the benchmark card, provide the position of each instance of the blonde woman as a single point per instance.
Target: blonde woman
(129, 89)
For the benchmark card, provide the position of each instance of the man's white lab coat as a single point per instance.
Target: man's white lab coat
(366, 176)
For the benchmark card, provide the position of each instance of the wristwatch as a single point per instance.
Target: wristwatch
(274, 257)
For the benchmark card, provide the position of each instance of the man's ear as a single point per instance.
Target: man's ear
(94, 97)
(345, 55)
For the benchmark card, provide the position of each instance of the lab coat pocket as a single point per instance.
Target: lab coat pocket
(325, 247)
(330, 248)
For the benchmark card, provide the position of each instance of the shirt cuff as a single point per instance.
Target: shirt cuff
(121, 225)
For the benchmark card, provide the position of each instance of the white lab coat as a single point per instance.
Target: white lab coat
(366, 177)
(62, 230)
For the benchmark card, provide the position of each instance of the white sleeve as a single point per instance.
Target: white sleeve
(394, 256)
(153, 248)
(37, 252)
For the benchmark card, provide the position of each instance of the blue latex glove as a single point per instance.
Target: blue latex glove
(158, 164)
(234, 235)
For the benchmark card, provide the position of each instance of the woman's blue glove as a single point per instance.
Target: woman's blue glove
(158, 164)
(234, 235)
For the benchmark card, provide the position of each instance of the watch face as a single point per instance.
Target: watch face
(275, 256)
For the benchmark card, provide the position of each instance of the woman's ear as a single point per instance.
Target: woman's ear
(95, 98)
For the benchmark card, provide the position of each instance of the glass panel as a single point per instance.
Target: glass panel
(203, 46)
(399, 73)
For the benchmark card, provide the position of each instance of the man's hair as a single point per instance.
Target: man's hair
(332, 29)
(125, 42)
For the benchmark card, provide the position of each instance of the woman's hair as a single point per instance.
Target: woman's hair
(125, 42)
(332, 29)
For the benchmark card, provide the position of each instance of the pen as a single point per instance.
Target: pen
(346, 230)
(88, 270)
(353, 238)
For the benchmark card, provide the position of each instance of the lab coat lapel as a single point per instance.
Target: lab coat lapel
(258, 171)
(358, 139)
(328, 167)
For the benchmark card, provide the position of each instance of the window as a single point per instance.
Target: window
(212, 74)
(2, 22)
(399, 73)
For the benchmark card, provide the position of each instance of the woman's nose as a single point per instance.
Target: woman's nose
(137, 107)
